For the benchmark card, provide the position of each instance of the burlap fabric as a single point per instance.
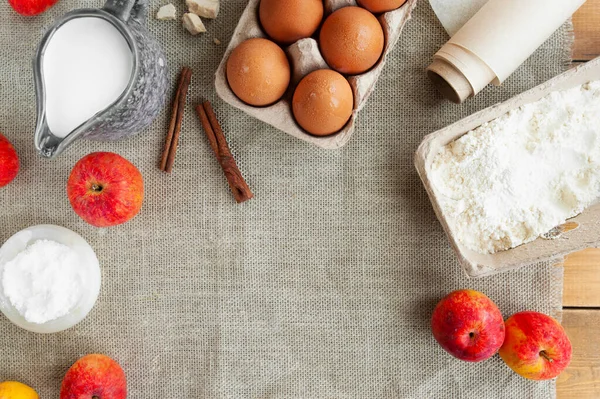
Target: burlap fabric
(320, 287)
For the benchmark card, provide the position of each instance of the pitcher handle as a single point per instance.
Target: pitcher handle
(126, 9)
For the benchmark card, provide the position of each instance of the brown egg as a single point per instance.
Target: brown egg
(323, 102)
(287, 21)
(379, 6)
(258, 72)
(351, 40)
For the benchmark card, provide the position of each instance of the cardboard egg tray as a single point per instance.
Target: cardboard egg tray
(305, 57)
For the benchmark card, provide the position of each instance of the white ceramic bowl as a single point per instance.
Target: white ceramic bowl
(24, 238)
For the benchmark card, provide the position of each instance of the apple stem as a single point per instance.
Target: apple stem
(97, 188)
(545, 356)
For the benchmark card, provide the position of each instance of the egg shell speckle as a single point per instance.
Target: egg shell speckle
(323, 102)
(258, 72)
(351, 40)
(379, 6)
(287, 21)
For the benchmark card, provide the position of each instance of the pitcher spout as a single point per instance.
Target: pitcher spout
(48, 144)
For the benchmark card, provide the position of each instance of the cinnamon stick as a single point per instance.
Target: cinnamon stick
(210, 134)
(171, 131)
(172, 140)
(180, 113)
(218, 143)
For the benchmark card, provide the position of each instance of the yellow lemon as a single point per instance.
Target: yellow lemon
(16, 390)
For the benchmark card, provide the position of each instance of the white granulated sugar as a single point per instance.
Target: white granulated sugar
(44, 282)
(518, 176)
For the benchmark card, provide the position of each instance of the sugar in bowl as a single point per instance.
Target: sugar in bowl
(49, 279)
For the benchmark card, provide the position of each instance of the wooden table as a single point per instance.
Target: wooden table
(581, 298)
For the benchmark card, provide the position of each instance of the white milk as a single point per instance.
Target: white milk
(87, 65)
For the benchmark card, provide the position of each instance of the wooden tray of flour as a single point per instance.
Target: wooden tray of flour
(584, 229)
(305, 57)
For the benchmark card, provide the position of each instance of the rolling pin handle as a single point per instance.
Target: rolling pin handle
(450, 82)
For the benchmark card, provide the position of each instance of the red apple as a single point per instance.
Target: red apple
(468, 325)
(105, 189)
(536, 346)
(9, 162)
(31, 7)
(94, 377)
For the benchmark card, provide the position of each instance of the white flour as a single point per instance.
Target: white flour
(515, 178)
(44, 282)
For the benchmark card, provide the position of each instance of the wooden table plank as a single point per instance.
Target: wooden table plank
(582, 279)
(581, 380)
(586, 23)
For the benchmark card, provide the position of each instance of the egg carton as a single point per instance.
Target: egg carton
(305, 57)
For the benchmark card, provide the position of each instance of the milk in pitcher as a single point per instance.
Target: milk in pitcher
(87, 66)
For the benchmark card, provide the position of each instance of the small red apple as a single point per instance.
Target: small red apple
(105, 189)
(536, 346)
(468, 325)
(31, 7)
(94, 377)
(9, 162)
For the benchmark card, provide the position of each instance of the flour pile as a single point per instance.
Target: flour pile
(518, 176)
